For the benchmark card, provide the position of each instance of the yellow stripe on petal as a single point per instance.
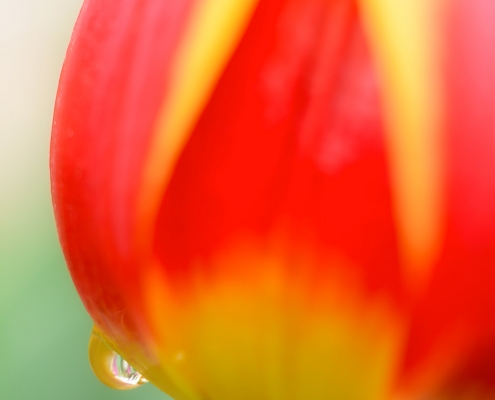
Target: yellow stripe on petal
(213, 33)
(404, 36)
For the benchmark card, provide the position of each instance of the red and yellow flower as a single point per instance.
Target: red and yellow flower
(284, 199)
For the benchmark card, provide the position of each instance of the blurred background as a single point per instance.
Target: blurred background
(44, 329)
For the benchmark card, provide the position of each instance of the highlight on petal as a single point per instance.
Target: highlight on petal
(282, 199)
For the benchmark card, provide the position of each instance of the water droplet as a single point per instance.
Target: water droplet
(109, 367)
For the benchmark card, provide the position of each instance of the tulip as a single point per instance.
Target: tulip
(282, 199)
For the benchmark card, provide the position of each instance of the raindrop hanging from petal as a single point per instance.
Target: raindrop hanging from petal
(110, 367)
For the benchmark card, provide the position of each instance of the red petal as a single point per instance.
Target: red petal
(291, 137)
(455, 320)
(112, 87)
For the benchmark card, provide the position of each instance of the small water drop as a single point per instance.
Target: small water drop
(109, 367)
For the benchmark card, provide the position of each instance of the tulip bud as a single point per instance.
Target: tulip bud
(282, 199)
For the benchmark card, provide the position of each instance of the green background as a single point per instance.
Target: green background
(44, 329)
